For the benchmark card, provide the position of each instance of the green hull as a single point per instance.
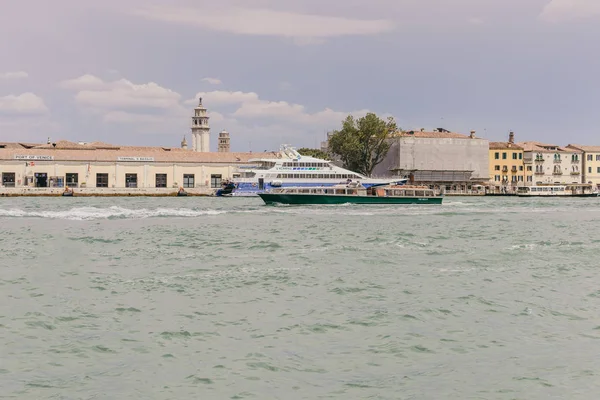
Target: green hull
(272, 198)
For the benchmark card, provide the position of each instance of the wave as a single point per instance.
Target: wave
(94, 213)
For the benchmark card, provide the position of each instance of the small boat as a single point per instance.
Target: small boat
(558, 190)
(352, 193)
(226, 189)
(181, 192)
(68, 192)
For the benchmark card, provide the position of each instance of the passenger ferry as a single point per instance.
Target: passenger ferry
(558, 190)
(353, 193)
(290, 168)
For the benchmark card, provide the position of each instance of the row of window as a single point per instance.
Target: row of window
(505, 168)
(515, 156)
(303, 164)
(317, 176)
(504, 178)
(557, 157)
(539, 169)
(131, 180)
(590, 157)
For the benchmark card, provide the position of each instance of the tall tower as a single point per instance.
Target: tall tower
(200, 129)
(224, 141)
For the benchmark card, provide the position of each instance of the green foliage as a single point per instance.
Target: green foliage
(305, 151)
(362, 143)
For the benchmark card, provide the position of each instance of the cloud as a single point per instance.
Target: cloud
(249, 106)
(84, 82)
(23, 104)
(264, 22)
(212, 81)
(565, 10)
(13, 75)
(120, 95)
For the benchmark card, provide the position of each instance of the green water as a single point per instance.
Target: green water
(208, 298)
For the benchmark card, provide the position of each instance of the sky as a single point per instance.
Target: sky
(270, 72)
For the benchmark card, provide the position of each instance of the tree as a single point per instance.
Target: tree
(362, 143)
(316, 153)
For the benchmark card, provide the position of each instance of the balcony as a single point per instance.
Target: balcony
(575, 173)
(557, 160)
(504, 169)
(513, 170)
(539, 172)
(539, 159)
(557, 173)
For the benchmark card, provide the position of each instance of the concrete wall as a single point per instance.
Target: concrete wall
(146, 172)
(437, 154)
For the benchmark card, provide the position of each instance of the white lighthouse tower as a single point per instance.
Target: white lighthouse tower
(200, 129)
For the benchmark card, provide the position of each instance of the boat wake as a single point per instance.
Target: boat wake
(95, 213)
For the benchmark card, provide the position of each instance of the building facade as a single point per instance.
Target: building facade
(590, 167)
(439, 158)
(107, 166)
(507, 169)
(551, 163)
(200, 129)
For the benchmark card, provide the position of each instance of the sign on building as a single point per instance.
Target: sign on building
(145, 159)
(36, 158)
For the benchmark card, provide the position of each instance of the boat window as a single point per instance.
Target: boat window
(419, 193)
(410, 192)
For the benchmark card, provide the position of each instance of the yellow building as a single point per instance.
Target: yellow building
(590, 163)
(507, 168)
(101, 165)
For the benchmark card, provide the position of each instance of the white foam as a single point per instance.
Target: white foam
(94, 213)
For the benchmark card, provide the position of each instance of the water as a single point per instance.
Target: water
(163, 298)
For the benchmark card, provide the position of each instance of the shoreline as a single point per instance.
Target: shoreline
(106, 192)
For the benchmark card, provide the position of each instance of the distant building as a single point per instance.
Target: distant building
(200, 129)
(440, 158)
(507, 168)
(105, 165)
(551, 163)
(224, 142)
(590, 163)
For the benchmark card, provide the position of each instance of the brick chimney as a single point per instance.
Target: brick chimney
(472, 135)
(511, 137)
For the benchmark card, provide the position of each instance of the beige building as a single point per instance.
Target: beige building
(109, 166)
(590, 163)
(552, 163)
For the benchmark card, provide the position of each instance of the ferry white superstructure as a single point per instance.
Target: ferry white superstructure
(290, 168)
(558, 190)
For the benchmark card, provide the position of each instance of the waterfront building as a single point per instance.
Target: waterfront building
(224, 142)
(590, 167)
(507, 169)
(441, 159)
(551, 163)
(200, 129)
(104, 165)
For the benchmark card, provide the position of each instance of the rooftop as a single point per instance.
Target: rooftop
(440, 133)
(545, 148)
(504, 146)
(588, 149)
(97, 151)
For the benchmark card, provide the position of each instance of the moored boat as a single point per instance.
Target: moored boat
(558, 190)
(353, 194)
